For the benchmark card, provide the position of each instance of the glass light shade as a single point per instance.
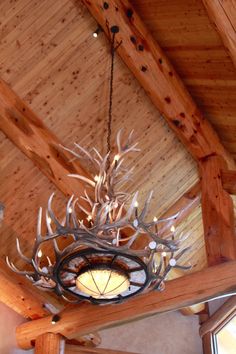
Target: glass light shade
(102, 283)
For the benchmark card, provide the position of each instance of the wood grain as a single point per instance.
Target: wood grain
(17, 293)
(223, 14)
(198, 287)
(158, 77)
(31, 136)
(217, 213)
(48, 343)
(229, 181)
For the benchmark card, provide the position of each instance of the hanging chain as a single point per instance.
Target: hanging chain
(109, 121)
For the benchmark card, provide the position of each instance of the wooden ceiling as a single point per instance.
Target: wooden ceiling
(50, 59)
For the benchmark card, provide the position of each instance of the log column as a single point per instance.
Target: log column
(217, 212)
(49, 343)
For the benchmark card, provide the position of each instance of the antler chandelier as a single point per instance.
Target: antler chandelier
(101, 264)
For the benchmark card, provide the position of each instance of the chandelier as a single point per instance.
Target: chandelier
(102, 264)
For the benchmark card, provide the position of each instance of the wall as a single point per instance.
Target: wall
(8, 322)
(169, 333)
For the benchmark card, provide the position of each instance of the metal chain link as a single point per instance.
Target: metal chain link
(109, 121)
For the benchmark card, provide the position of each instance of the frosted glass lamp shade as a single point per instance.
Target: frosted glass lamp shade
(102, 283)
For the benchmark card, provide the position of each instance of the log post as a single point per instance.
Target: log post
(49, 343)
(217, 212)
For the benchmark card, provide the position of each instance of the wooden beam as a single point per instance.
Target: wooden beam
(157, 76)
(48, 343)
(217, 213)
(185, 291)
(20, 124)
(17, 293)
(223, 15)
(221, 315)
(72, 349)
(229, 181)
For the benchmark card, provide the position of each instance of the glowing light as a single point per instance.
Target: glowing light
(164, 254)
(102, 283)
(136, 204)
(96, 178)
(40, 253)
(89, 218)
(172, 229)
(95, 34)
(116, 158)
(155, 219)
(70, 210)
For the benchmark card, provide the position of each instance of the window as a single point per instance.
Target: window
(225, 337)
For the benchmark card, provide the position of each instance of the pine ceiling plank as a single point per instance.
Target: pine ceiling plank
(223, 15)
(198, 287)
(151, 67)
(22, 297)
(26, 130)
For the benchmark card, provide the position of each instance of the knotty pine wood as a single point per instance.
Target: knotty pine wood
(217, 213)
(20, 297)
(48, 343)
(153, 70)
(229, 181)
(30, 135)
(198, 287)
(50, 59)
(223, 15)
(191, 41)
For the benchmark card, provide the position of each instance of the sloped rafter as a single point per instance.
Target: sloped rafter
(22, 297)
(32, 137)
(194, 288)
(223, 14)
(21, 125)
(151, 67)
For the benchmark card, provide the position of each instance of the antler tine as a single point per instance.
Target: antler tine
(83, 178)
(68, 211)
(181, 253)
(97, 153)
(72, 152)
(39, 226)
(16, 270)
(49, 261)
(87, 198)
(56, 248)
(51, 214)
(172, 217)
(73, 214)
(84, 151)
(146, 206)
(26, 259)
(48, 223)
(118, 141)
(132, 205)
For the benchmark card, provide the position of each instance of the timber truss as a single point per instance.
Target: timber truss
(216, 169)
